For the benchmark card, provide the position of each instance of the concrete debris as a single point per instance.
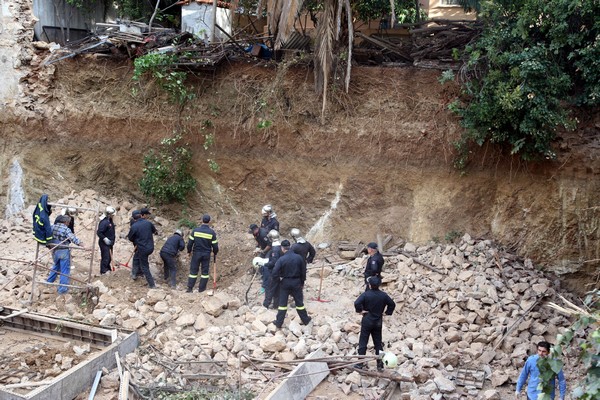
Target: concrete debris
(443, 321)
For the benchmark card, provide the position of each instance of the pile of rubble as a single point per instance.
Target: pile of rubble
(461, 332)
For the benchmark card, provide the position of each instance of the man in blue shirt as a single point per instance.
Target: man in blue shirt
(531, 371)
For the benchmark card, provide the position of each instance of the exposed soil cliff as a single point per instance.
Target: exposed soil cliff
(386, 147)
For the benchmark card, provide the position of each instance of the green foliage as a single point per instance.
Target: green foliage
(160, 67)
(452, 236)
(584, 334)
(209, 142)
(366, 10)
(166, 174)
(446, 76)
(264, 123)
(186, 220)
(533, 59)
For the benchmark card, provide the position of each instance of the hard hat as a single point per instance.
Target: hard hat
(295, 232)
(273, 235)
(259, 261)
(390, 360)
(267, 209)
(110, 210)
(71, 211)
(178, 232)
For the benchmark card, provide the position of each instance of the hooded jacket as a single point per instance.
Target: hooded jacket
(42, 230)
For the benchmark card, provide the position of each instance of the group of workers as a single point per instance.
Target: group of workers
(283, 267)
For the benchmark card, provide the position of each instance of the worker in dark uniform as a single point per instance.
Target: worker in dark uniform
(42, 229)
(302, 247)
(372, 304)
(106, 239)
(271, 289)
(142, 234)
(263, 241)
(261, 235)
(202, 241)
(374, 263)
(290, 274)
(269, 220)
(168, 254)
(136, 269)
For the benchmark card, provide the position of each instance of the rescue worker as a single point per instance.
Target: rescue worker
(290, 274)
(168, 254)
(302, 247)
(136, 270)
(70, 212)
(374, 263)
(61, 253)
(142, 234)
(261, 235)
(271, 289)
(106, 239)
(202, 241)
(269, 220)
(372, 304)
(42, 229)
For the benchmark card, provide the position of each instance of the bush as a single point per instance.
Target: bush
(535, 59)
(166, 174)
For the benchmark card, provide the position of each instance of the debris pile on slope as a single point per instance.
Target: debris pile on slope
(461, 332)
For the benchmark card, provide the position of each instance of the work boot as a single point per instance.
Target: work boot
(188, 290)
(379, 365)
(306, 322)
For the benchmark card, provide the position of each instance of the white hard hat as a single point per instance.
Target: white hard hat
(273, 234)
(68, 211)
(390, 360)
(178, 232)
(110, 210)
(295, 232)
(267, 209)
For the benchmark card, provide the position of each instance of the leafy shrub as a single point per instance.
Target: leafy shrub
(160, 67)
(166, 174)
(533, 60)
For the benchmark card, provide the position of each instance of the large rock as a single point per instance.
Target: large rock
(444, 384)
(273, 344)
(186, 319)
(214, 306)
(161, 307)
(133, 323)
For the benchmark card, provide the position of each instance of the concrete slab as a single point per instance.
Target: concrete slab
(302, 380)
(76, 380)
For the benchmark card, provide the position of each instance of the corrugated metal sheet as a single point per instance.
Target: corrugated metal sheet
(297, 41)
(63, 15)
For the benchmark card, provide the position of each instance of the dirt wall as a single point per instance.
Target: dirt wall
(386, 147)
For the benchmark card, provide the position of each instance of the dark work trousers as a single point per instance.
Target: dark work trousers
(170, 268)
(136, 268)
(197, 260)
(293, 287)
(145, 266)
(370, 326)
(271, 291)
(104, 257)
(266, 277)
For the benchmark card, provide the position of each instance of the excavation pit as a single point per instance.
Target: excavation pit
(51, 358)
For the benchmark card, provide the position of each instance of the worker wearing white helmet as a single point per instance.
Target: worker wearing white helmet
(269, 220)
(106, 239)
(302, 247)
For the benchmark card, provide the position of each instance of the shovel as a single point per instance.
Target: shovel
(126, 265)
(212, 292)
